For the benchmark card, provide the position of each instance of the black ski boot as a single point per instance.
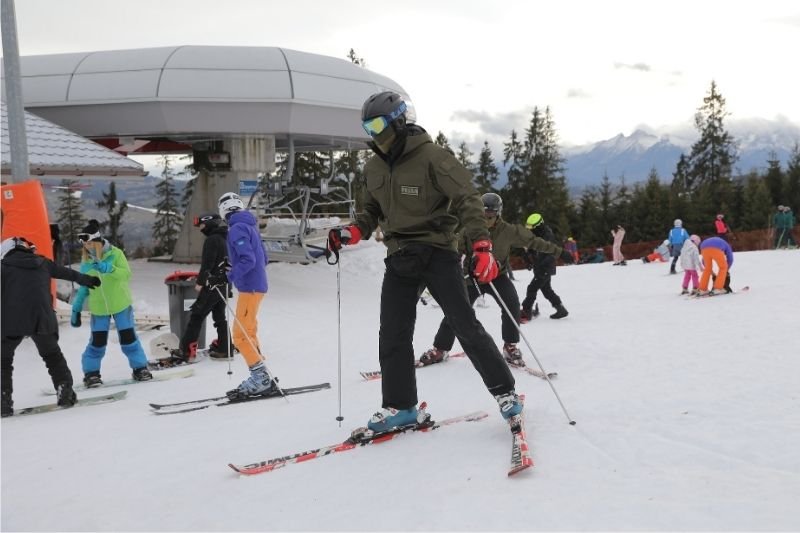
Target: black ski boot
(66, 396)
(92, 380)
(142, 374)
(561, 312)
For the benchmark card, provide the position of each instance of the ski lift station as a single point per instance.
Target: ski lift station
(232, 108)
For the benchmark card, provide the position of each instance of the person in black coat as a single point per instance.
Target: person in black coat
(27, 311)
(209, 299)
(544, 268)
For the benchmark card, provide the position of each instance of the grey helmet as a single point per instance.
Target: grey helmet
(492, 202)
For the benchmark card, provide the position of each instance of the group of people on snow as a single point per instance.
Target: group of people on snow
(236, 256)
(430, 215)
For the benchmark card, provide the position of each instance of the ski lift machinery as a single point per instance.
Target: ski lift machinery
(288, 231)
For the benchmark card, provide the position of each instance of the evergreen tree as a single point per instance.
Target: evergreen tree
(70, 217)
(792, 191)
(591, 228)
(775, 179)
(442, 141)
(758, 205)
(168, 219)
(464, 156)
(649, 214)
(714, 154)
(605, 201)
(486, 173)
(115, 210)
(351, 55)
(537, 182)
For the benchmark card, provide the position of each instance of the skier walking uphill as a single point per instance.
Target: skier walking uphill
(677, 236)
(504, 236)
(27, 311)
(616, 249)
(248, 274)
(209, 300)
(419, 194)
(544, 268)
(716, 250)
(112, 300)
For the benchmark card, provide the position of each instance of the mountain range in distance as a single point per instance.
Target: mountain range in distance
(635, 155)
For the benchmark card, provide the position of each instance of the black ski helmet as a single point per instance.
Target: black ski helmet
(492, 202)
(388, 104)
(209, 221)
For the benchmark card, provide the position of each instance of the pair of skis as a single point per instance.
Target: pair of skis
(520, 452)
(222, 401)
(376, 374)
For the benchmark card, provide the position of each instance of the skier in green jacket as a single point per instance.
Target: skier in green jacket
(111, 300)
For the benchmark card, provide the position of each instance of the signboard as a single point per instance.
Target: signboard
(248, 187)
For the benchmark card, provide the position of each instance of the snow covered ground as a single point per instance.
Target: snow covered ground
(687, 412)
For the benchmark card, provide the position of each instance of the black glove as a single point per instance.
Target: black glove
(75, 319)
(216, 280)
(567, 257)
(92, 282)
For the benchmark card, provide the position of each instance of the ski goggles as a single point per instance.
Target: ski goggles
(375, 126)
(203, 219)
(86, 237)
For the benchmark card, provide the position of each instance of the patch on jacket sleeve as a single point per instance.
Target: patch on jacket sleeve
(241, 241)
(409, 190)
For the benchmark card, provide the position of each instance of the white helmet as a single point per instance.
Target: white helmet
(678, 223)
(229, 203)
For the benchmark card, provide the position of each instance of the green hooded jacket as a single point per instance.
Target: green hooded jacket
(114, 294)
(422, 198)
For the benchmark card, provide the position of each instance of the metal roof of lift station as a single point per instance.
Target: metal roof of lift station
(187, 94)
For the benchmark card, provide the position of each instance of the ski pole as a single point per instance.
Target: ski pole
(230, 333)
(522, 335)
(252, 344)
(339, 418)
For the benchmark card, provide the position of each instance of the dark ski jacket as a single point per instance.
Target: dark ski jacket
(27, 304)
(215, 251)
(421, 196)
(543, 263)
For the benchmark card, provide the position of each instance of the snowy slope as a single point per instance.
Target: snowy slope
(687, 417)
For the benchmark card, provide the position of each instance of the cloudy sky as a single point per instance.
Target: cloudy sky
(476, 69)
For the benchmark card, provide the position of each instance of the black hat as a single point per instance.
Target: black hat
(91, 232)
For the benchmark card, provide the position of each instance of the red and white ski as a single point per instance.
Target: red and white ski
(520, 453)
(350, 444)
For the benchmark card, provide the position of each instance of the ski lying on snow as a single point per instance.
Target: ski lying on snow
(221, 401)
(46, 408)
(185, 373)
(360, 437)
(698, 296)
(520, 453)
(376, 374)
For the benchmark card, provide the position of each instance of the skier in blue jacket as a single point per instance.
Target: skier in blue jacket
(677, 236)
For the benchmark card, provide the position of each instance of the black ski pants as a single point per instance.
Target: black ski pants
(49, 351)
(208, 301)
(445, 337)
(407, 271)
(541, 282)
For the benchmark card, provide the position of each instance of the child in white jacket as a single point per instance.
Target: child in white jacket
(691, 264)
